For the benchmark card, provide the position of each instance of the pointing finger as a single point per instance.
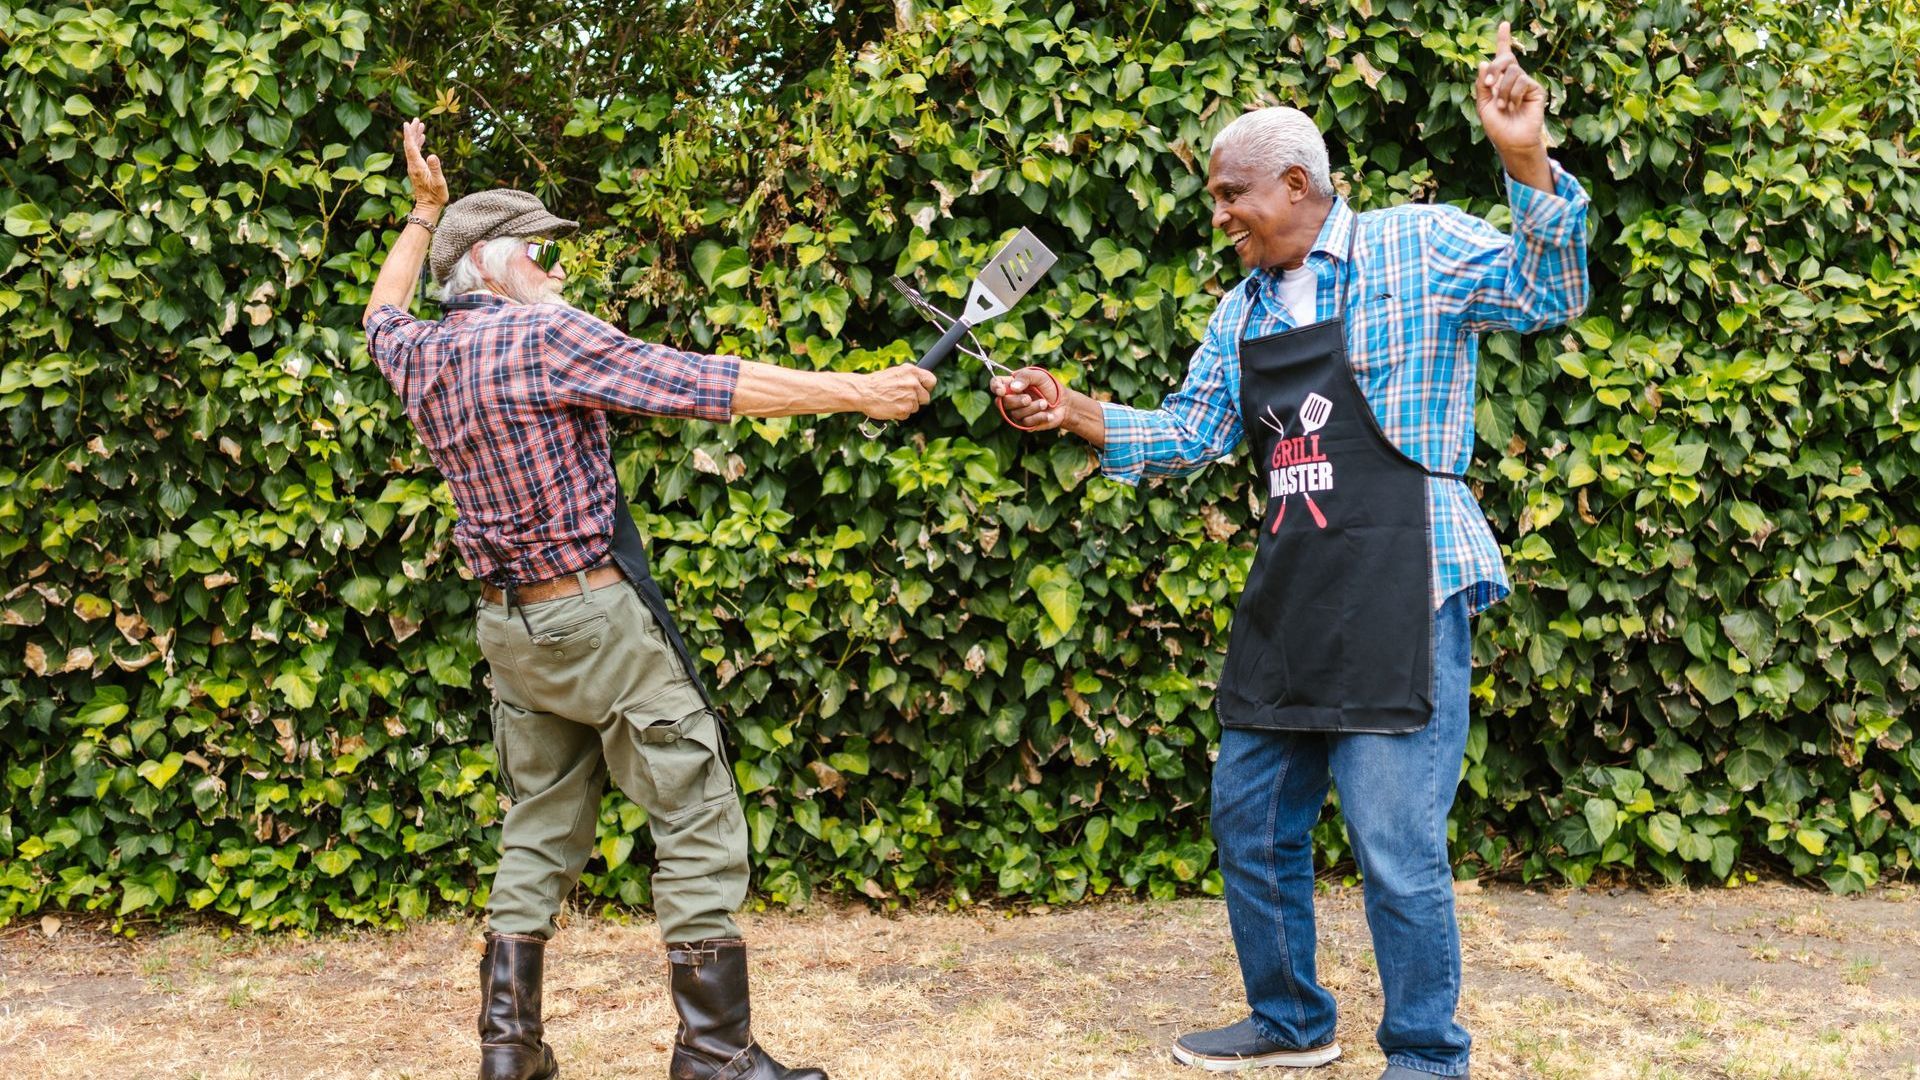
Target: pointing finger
(1504, 46)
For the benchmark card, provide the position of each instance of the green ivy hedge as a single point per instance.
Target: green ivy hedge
(237, 671)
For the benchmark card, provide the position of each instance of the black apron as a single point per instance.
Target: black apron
(629, 553)
(1335, 629)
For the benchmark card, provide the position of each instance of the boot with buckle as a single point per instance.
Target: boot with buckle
(510, 1028)
(715, 1041)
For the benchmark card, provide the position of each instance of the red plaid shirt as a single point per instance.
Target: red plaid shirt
(511, 402)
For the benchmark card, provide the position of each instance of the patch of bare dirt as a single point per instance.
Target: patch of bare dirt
(1766, 981)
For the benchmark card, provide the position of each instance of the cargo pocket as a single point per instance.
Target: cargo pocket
(684, 762)
(505, 717)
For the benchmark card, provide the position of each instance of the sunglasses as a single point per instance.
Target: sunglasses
(544, 253)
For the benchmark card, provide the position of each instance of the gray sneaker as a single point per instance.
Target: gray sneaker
(1241, 1046)
(1401, 1072)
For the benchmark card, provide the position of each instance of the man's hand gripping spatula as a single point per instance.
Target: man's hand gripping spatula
(1007, 277)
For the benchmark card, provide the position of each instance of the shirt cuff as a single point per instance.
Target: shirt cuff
(1553, 215)
(713, 391)
(380, 327)
(1122, 458)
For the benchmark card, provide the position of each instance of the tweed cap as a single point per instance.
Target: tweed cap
(489, 215)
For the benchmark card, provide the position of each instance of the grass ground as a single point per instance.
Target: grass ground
(1764, 981)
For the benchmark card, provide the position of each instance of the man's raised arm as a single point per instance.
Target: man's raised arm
(402, 268)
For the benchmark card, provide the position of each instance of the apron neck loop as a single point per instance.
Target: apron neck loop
(1346, 277)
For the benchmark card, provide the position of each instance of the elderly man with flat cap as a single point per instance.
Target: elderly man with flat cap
(510, 392)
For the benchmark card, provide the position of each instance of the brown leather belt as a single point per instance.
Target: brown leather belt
(533, 592)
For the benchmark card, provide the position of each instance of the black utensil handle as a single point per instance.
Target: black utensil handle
(945, 345)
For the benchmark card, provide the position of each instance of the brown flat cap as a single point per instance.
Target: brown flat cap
(489, 215)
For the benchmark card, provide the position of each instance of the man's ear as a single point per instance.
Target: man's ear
(1299, 185)
(480, 264)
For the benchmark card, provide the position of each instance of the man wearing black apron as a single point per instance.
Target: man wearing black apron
(1346, 360)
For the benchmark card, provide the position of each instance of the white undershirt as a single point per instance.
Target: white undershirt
(1300, 291)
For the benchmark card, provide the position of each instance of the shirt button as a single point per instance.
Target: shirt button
(595, 643)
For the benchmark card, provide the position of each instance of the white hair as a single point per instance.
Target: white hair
(470, 274)
(1277, 138)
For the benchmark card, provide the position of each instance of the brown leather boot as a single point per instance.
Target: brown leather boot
(715, 1040)
(510, 1029)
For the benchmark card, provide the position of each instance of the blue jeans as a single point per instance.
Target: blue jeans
(1395, 792)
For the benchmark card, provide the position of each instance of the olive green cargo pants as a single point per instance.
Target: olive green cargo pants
(585, 687)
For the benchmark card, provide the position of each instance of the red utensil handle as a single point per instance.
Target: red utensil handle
(1039, 381)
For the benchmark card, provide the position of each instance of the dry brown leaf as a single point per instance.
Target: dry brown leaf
(1220, 528)
(1364, 66)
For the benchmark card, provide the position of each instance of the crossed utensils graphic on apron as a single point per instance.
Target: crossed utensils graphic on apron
(1313, 416)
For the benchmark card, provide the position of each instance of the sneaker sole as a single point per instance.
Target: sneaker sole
(1297, 1059)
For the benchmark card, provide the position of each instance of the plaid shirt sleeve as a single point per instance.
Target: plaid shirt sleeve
(1197, 424)
(1529, 281)
(391, 337)
(591, 365)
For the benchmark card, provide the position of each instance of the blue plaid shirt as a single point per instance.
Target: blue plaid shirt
(1430, 280)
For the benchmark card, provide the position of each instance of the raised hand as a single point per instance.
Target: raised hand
(896, 393)
(429, 186)
(1513, 112)
(1513, 107)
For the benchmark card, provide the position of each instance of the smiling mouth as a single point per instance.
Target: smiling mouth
(1239, 236)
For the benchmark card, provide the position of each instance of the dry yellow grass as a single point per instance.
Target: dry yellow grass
(1753, 983)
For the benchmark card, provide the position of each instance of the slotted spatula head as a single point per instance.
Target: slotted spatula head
(1020, 263)
(1314, 412)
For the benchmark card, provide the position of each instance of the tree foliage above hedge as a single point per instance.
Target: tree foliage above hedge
(237, 670)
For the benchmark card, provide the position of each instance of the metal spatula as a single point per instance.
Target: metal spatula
(1007, 277)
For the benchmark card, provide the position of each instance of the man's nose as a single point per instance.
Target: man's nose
(1220, 218)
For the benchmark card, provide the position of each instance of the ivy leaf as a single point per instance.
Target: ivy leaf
(107, 707)
(1663, 831)
(721, 266)
(222, 142)
(1603, 816)
(363, 594)
(353, 116)
(159, 772)
(27, 219)
(1114, 261)
(1746, 767)
(1059, 593)
(1752, 632)
(1669, 763)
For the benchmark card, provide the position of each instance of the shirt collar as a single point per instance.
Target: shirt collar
(472, 301)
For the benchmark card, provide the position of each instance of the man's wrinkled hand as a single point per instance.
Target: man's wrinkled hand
(1513, 107)
(429, 185)
(896, 393)
(1025, 407)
